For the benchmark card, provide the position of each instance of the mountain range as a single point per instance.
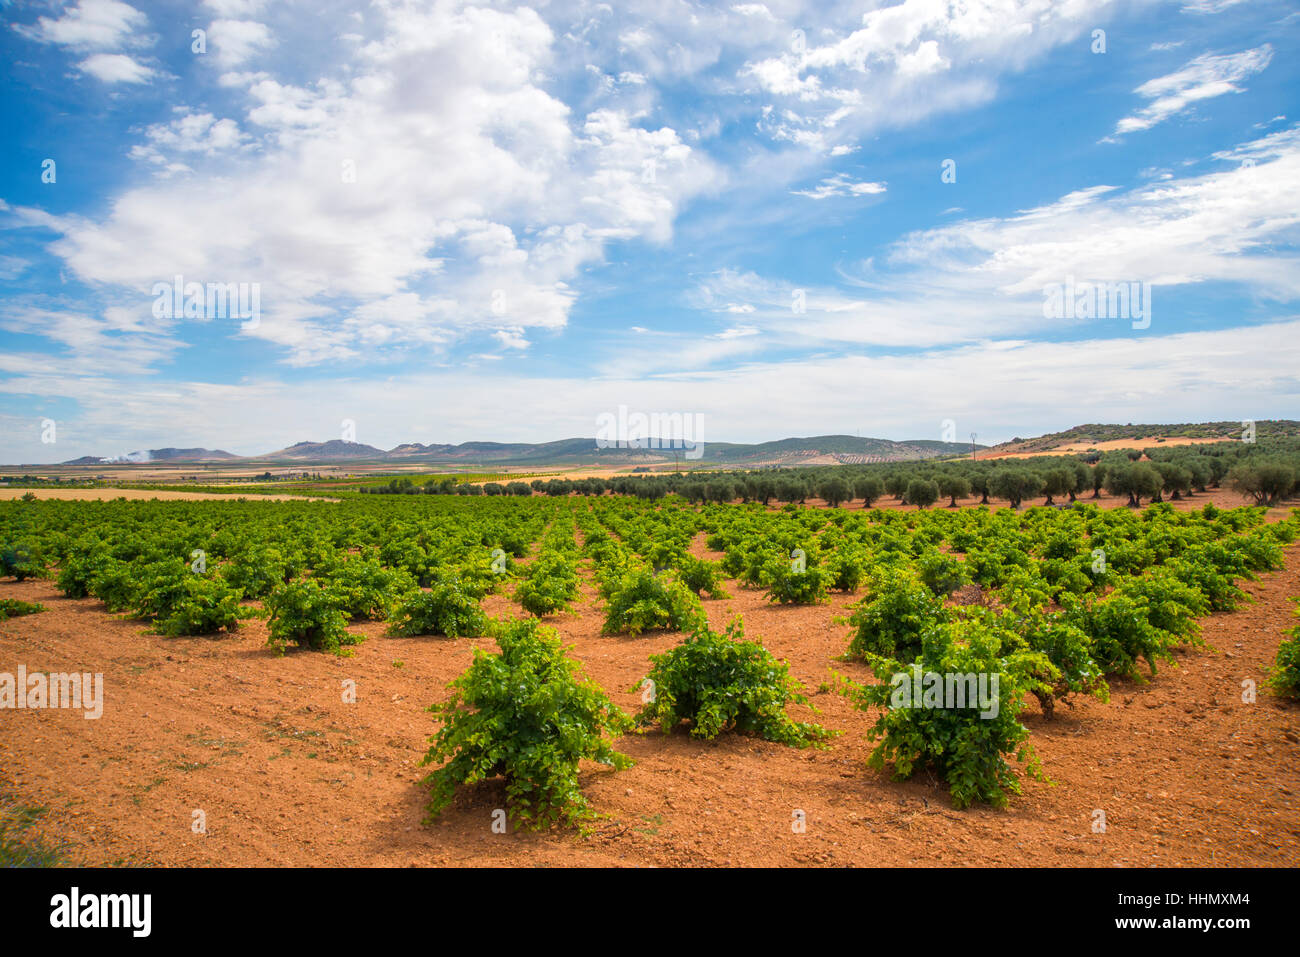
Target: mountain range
(817, 450)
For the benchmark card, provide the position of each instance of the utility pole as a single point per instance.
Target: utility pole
(972, 446)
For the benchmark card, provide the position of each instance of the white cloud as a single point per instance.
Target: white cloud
(235, 8)
(1201, 79)
(427, 189)
(1209, 6)
(115, 68)
(189, 133)
(840, 185)
(89, 25)
(982, 279)
(753, 10)
(512, 338)
(998, 389)
(238, 41)
(907, 61)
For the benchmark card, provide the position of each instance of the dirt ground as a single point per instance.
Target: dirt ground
(1069, 448)
(286, 772)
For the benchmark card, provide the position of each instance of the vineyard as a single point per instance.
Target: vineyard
(1050, 608)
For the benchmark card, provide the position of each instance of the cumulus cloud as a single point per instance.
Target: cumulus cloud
(89, 25)
(237, 41)
(907, 61)
(431, 174)
(115, 68)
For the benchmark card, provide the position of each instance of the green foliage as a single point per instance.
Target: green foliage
(14, 608)
(890, 621)
(941, 573)
(527, 715)
(22, 560)
(846, 568)
(967, 745)
(447, 608)
(794, 582)
(115, 584)
(922, 493)
(1284, 679)
(363, 588)
(1069, 650)
(259, 570)
(551, 585)
(1120, 632)
(204, 605)
(305, 613)
(701, 576)
(640, 600)
(1172, 606)
(720, 683)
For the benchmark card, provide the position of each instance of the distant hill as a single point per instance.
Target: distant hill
(820, 450)
(1084, 437)
(782, 453)
(332, 451)
(157, 455)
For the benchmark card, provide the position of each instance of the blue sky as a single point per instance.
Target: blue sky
(497, 221)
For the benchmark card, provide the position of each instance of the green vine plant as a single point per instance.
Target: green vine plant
(527, 715)
(1284, 679)
(720, 683)
(966, 742)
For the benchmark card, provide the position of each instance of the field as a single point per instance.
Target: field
(263, 741)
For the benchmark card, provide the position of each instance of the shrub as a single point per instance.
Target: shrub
(114, 583)
(967, 745)
(204, 605)
(447, 608)
(13, 608)
(1171, 605)
(640, 600)
(78, 571)
(941, 573)
(310, 616)
(524, 714)
(551, 585)
(1219, 589)
(161, 586)
(362, 588)
(1121, 633)
(1069, 650)
(701, 576)
(258, 571)
(891, 619)
(1284, 679)
(793, 581)
(21, 560)
(720, 683)
(846, 569)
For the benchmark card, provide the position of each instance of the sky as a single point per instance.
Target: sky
(241, 224)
